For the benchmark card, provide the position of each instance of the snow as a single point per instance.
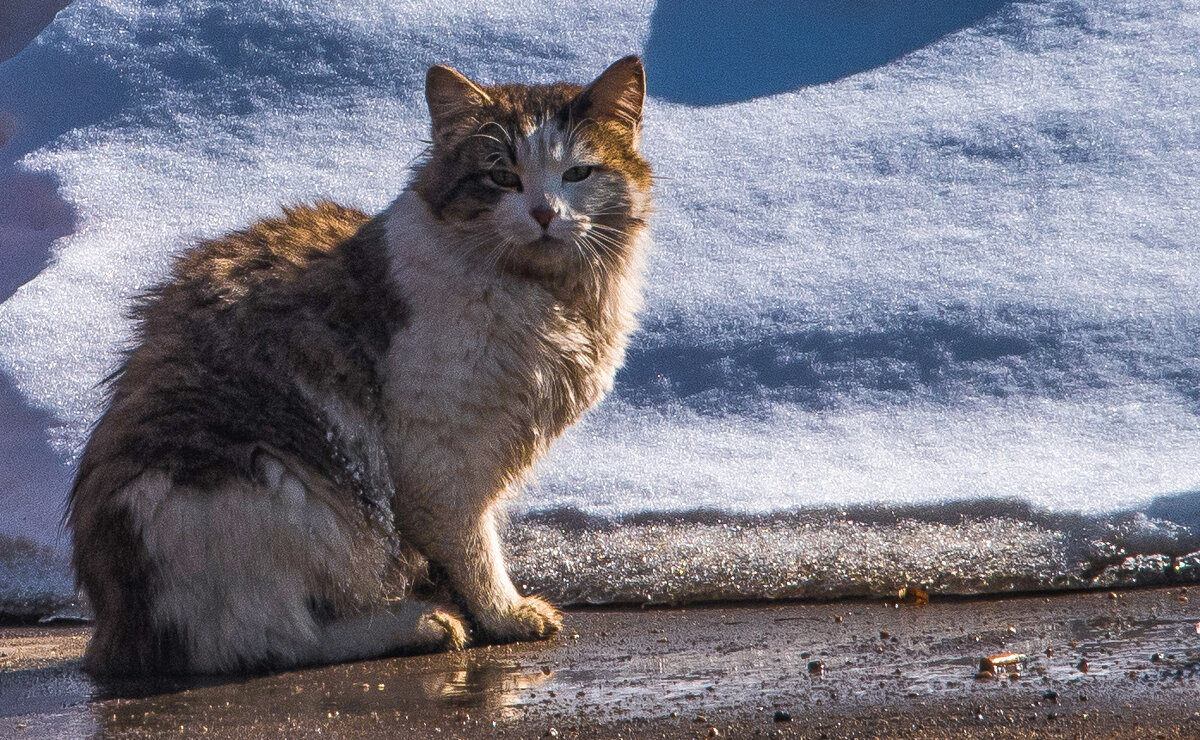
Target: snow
(908, 253)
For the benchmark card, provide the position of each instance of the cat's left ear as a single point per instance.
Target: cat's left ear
(616, 95)
(450, 95)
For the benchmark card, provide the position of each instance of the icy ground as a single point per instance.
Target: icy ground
(933, 254)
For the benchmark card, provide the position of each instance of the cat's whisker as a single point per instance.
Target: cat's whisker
(620, 209)
(486, 136)
(611, 232)
(499, 253)
(602, 245)
(606, 250)
(504, 131)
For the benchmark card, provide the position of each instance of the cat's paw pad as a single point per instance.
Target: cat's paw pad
(444, 630)
(530, 618)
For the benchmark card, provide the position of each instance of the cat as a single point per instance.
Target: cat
(326, 411)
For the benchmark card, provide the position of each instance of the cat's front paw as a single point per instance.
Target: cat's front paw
(443, 630)
(530, 618)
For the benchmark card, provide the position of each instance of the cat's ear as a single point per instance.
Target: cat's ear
(616, 95)
(450, 95)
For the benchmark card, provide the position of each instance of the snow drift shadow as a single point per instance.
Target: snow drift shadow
(21, 22)
(898, 355)
(35, 583)
(706, 52)
(75, 88)
(33, 213)
(1180, 508)
(32, 216)
(816, 368)
(33, 478)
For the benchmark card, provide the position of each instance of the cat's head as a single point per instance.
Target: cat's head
(543, 180)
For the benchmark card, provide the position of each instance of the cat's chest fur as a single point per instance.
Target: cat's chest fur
(488, 369)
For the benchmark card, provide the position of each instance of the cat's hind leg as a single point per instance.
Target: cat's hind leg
(270, 574)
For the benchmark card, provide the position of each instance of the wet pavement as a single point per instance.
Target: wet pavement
(1096, 664)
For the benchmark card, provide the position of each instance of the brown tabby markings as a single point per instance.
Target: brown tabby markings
(319, 406)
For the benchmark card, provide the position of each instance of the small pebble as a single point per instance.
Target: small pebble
(816, 667)
(1082, 665)
(551, 732)
(1050, 695)
(782, 716)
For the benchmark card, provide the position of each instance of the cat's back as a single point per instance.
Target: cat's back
(275, 273)
(243, 340)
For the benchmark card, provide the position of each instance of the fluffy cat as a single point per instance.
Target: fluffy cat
(322, 410)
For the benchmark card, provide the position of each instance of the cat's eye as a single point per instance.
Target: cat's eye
(575, 174)
(505, 178)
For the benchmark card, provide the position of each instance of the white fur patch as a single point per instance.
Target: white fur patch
(458, 374)
(236, 565)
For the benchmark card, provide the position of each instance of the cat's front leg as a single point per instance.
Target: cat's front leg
(472, 557)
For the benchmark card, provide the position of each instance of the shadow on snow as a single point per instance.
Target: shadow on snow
(706, 52)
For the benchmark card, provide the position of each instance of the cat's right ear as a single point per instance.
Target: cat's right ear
(450, 95)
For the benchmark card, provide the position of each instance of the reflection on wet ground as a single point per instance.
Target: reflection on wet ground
(616, 666)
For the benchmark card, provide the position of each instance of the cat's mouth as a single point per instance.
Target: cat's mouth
(545, 240)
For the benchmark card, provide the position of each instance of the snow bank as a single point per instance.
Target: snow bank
(907, 253)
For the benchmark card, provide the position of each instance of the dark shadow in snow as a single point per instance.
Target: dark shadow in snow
(728, 371)
(22, 21)
(32, 216)
(706, 52)
(1180, 508)
(33, 477)
(45, 91)
(55, 87)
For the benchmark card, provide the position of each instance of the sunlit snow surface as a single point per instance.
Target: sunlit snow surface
(925, 278)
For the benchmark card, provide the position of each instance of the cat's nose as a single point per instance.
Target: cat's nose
(543, 216)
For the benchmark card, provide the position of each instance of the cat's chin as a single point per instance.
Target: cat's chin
(545, 241)
(543, 259)
(544, 247)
